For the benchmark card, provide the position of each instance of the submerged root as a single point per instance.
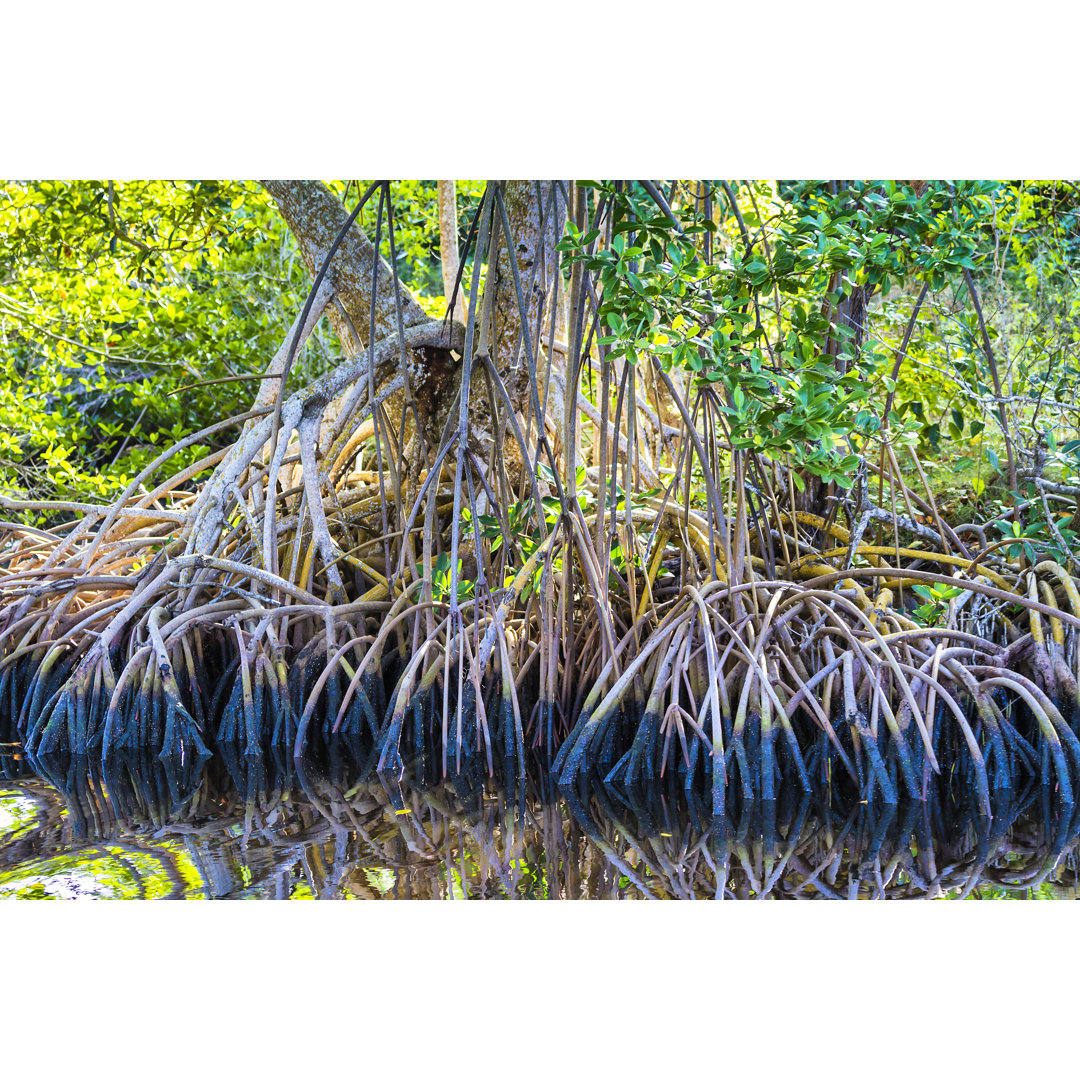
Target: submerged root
(777, 680)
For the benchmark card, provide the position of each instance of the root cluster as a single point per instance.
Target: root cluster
(545, 570)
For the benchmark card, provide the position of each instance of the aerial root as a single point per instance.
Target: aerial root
(742, 688)
(896, 713)
(293, 622)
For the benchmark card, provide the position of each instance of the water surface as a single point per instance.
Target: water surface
(236, 827)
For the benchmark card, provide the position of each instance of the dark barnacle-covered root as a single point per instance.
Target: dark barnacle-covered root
(75, 603)
(777, 680)
(142, 708)
(456, 693)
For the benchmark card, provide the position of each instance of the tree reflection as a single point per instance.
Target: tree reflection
(239, 826)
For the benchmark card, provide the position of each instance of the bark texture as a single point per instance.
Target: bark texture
(536, 211)
(315, 216)
(536, 215)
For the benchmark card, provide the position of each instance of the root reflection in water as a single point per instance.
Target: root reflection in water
(271, 827)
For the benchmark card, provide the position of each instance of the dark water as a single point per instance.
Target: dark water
(241, 828)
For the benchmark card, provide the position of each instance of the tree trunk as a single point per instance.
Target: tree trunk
(448, 245)
(315, 217)
(536, 214)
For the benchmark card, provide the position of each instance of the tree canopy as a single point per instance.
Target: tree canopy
(117, 295)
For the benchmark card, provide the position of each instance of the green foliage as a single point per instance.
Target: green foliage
(1026, 236)
(114, 296)
(1036, 540)
(760, 322)
(440, 580)
(936, 607)
(791, 303)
